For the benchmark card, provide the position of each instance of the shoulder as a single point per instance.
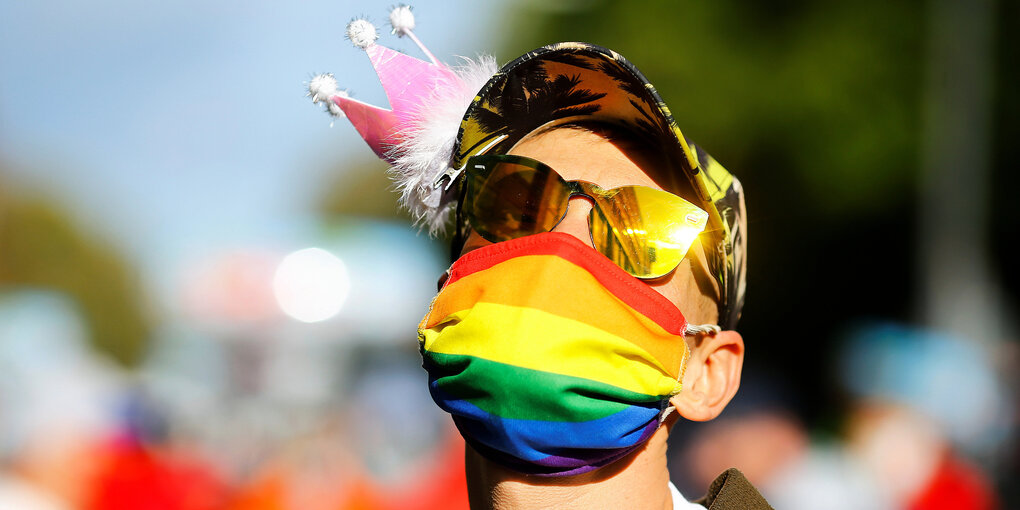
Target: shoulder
(732, 490)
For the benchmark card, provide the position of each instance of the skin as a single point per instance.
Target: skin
(711, 378)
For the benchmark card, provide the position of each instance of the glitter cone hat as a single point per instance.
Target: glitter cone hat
(427, 102)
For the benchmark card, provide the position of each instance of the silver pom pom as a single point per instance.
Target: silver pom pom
(362, 33)
(402, 19)
(322, 87)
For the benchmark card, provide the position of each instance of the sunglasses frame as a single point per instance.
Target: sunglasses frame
(593, 192)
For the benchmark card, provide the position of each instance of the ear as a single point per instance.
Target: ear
(712, 376)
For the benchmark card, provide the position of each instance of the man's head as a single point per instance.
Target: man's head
(562, 346)
(582, 390)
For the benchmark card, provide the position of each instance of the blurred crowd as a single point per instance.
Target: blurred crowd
(234, 423)
(78, 432)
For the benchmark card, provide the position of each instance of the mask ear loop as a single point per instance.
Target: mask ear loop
(689, 330)
(702, 329)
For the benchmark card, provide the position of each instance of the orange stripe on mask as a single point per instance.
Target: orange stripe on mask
(572, 300)
(628, 289)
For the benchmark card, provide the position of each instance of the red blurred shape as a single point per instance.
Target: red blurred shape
(132, 477)
(956, 486)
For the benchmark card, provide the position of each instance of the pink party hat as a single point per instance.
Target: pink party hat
(427, 101)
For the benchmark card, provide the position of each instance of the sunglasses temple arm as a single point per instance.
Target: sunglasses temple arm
(457, 244)
(447, 178)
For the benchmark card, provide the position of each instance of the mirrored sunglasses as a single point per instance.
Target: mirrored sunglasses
(645, 231)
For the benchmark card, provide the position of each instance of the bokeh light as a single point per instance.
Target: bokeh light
(311, 285)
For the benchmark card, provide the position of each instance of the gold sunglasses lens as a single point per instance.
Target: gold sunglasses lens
(645, 231)
(506, 200)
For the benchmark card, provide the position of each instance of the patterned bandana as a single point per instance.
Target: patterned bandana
(551, 359)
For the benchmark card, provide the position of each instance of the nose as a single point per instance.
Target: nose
(575, 222)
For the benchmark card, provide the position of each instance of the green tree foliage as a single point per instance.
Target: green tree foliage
(41, 246)
(817, 101)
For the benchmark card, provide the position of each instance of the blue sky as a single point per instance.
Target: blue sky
(178, 129)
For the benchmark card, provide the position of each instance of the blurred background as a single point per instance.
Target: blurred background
(208, 296)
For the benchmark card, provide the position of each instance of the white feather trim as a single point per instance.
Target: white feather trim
(401, 19)
(428, 142)
(362, 33)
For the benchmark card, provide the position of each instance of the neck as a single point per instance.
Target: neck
(639, 480)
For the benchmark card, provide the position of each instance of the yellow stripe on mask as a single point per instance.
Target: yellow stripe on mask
(537, 340)
(579, 297)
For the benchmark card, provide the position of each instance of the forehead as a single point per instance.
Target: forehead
(580, 154)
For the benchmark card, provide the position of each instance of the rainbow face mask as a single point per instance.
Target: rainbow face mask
(551, 359)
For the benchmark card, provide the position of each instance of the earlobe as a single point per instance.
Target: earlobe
(712, 376)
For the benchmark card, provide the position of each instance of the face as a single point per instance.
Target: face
(582, 155)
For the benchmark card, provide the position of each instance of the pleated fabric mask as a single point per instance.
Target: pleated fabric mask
(550, 358)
